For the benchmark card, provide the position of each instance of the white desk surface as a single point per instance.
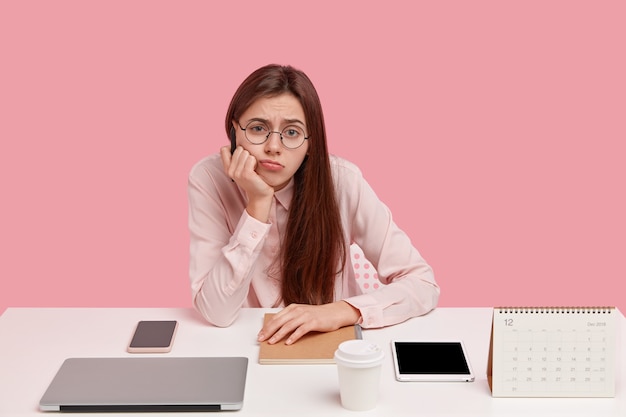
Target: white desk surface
(35, 341)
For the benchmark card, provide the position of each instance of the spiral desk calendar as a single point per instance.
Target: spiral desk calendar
(552, 352)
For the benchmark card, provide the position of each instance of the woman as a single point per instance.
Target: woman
(271, 219)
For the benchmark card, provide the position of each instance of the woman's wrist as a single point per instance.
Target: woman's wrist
(260, 209)
(352, 314)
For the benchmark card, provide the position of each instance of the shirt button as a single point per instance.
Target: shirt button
(254, 235)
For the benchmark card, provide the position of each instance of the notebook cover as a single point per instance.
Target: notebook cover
(312, 348)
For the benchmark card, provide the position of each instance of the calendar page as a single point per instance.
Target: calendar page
(553, 352)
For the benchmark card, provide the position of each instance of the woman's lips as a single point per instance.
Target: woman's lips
(270, 165)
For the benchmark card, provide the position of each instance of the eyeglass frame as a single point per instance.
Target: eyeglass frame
(269, 133)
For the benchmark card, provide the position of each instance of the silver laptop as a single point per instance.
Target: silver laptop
(147, 384)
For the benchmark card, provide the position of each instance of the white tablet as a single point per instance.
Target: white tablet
(431, 360)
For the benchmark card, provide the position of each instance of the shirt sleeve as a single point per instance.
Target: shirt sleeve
(224, 243)
(409, 288)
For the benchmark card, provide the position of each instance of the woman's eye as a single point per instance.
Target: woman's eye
(291, 133)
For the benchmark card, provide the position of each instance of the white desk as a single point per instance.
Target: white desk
(35, 341)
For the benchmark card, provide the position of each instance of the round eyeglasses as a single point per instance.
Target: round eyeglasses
(291, 137)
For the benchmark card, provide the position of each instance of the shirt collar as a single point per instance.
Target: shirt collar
(285, 195)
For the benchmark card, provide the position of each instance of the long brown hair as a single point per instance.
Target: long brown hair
(313, 250)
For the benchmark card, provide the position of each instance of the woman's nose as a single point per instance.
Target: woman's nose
(274, 142)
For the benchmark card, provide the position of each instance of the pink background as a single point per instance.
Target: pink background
(495, 131)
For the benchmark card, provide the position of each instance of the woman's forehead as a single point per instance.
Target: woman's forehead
(284, 107)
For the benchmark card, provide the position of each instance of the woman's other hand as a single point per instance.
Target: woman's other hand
(296, 320)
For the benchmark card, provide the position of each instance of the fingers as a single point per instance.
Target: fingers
(285, 323)
(288, 332)
(240, 165)
(296, 320)
(292, 323)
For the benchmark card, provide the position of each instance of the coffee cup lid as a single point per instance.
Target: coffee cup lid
(359, 352)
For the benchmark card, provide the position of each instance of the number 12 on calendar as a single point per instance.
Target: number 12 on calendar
(552, 352)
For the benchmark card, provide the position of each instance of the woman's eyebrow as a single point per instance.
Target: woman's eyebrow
(257, 119)
(284, 121)
(294, 121)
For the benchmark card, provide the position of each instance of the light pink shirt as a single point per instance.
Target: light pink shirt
(232, 253)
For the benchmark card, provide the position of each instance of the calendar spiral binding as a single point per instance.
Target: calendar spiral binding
(556, 310)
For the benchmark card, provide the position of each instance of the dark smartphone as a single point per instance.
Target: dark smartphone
(233, 140)
(153, 336)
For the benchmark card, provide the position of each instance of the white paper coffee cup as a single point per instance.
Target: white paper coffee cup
(358, 366)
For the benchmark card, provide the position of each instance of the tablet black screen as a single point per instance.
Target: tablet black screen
(431, 358)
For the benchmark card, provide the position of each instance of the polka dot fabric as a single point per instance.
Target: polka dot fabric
(365, 274)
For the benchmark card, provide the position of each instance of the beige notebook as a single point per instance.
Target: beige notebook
(312, 348)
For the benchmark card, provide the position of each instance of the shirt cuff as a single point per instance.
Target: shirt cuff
(250, 232)
(371, 311)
